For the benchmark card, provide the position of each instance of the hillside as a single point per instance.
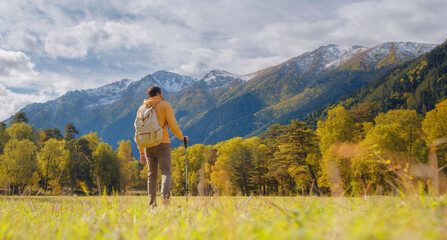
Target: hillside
(295, 88)
(418, 84)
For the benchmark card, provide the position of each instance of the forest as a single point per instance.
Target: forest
(353, 152)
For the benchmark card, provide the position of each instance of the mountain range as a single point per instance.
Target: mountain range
(223, 105)
(418, 85)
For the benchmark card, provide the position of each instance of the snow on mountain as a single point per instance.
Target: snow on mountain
(330, 57)
(110, 93)
(340, 54)
(107, 94)
(113, 92)
(211, 76)
(404, 50)
(219, 78)
(172, 82)
(325, 58)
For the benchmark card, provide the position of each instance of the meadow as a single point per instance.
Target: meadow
(129, 217)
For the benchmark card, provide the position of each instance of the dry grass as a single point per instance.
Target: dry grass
(223, 218)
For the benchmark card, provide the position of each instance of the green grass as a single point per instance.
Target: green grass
(223, 218)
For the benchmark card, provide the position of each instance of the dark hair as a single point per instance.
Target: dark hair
(152, 91)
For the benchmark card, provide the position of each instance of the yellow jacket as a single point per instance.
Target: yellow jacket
(165, 117)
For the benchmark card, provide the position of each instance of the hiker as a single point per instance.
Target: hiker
(161, 153)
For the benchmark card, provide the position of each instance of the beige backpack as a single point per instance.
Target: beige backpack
(148, 132)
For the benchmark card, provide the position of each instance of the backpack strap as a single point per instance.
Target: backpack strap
(154, 109)
(145, 117)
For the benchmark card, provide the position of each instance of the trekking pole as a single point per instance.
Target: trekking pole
(186, 167)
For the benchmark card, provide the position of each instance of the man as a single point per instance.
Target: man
(160, 154)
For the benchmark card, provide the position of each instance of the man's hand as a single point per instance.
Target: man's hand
(143, 158)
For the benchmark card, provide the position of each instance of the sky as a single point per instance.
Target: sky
(49, 47)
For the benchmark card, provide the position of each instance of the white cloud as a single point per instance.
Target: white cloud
(373, 22)
(75, 42)
(11, 102)
(23, 40)
(47, 86)
(16, 69)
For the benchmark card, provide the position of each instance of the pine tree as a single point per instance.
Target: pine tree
(19, 118)
(70, 131)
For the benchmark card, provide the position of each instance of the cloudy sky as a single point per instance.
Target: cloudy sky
(48, 47)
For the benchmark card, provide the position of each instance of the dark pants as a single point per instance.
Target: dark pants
(159, 155)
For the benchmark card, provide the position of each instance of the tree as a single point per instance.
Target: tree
(124, 154)
(298, 142)
(106, 167)
(240, 167)
(70, 131)
(53, 133)
(277, 163)
(93, 140)
(258, 152)
(364, 112)
(21, 131)
(18, 164)
(19, 118)
(52, 161)
(196, 163)
(80, 164)
(435, 130)
(178, 171)
(407, 125)
(4, 137)
(338, 128)
(135, 179)
(220, 176)
(435, 122)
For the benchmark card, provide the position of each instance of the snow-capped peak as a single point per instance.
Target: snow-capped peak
(330, 57)
(219, 78)
(403, 50)
(211, 76)
(172, 82)
(326, 57)
(107, 94)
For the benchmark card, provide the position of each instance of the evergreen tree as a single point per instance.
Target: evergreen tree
(298, 142)
(277, 163)
(240, 167)
(79, 167)
(19, 118)
(70, 131)
(53, 133)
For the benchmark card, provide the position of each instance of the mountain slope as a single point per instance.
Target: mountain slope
(418, 84)
(109, 110)
(297, 87)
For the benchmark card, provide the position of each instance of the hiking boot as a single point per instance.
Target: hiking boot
(166, 202)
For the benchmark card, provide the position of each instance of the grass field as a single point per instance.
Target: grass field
(223, 218)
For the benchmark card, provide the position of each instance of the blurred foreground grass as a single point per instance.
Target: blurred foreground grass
(223, 218)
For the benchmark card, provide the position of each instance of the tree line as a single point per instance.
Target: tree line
(45, 161)
(354, 151)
